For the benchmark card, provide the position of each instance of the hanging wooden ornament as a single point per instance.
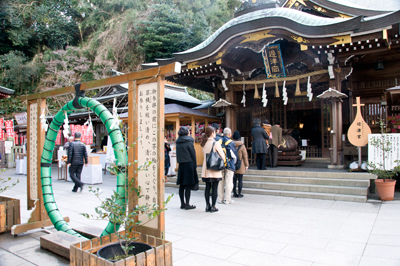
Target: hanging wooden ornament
(256, 95)
(297, 92)
(276, 90)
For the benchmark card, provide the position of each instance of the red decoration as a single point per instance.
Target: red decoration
(58, 139)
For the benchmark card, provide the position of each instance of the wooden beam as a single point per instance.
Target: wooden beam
(22, 228)
(167, 70)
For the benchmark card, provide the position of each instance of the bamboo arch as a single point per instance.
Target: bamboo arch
(120, 153)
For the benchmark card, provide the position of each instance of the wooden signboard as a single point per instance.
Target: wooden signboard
(147, 122)
(359, 129)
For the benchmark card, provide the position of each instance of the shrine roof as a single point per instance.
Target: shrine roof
(205, 104)
(174, 108)
(295, 21)
(7, 91)
(171, 92)
(357, 6)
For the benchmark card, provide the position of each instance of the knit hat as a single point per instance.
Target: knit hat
(236, 135)
(215, 125)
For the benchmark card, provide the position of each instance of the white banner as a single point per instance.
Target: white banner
(377, 156)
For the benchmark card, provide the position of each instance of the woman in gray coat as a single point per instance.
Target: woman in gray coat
(259, 143)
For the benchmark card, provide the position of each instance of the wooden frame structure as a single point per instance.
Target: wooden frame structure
(37, 103)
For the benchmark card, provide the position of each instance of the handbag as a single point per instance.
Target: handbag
(195, 187)
(214, 162)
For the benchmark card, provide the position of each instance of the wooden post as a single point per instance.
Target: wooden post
(177, 126)
(193, 124)
(132, 134)
(334, 132)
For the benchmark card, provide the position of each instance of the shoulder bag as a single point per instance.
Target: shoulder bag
(214, 162)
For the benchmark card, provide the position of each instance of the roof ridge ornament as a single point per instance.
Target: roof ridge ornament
(253, 5)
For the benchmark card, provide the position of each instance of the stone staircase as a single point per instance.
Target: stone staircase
(342, 186)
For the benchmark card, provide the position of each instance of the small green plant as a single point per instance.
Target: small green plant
(6, 180)
(384, 146)
(116, 210)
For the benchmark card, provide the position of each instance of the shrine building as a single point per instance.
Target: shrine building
(301, 63)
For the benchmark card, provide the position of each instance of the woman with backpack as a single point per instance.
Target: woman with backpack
(210, 177)
(242, 164)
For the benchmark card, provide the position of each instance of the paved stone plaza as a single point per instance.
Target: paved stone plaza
(255, 230)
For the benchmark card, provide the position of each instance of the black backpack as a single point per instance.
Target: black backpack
(238, 161)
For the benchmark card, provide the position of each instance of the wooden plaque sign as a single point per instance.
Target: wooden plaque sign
(359, 129)
(148, 147)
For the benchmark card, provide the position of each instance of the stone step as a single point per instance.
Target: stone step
(311, 174)
(305, 187)
(295, 194)
(307, 180)
(302, 180)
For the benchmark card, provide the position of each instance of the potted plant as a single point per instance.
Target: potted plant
(385, 185)
(116, 210)
(9, 207)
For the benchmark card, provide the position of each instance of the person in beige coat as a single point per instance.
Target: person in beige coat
(274, 144)
(211, 178)
(243, 156)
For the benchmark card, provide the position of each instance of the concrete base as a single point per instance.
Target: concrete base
(335, 166)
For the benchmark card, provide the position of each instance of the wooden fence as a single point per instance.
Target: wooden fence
(83, 253)
(9, 213)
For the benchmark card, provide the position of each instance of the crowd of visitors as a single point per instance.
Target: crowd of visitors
(227, 182)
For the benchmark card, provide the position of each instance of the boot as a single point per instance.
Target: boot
(208, 208)
(213, 209)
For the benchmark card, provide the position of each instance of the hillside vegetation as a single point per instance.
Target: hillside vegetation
(47, 44)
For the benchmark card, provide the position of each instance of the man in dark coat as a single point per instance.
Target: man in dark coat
(77, 155)
(274, 144)
(259, 143)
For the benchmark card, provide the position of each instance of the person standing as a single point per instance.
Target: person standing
(77, 155)
(187, 171)
(259, 146)
(243, 157)
(167, 162)
(230, 168)
(210, 177)
(66, 144)
(218, 135)
(274, 144)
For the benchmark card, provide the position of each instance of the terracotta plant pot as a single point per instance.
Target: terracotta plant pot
(385, 188)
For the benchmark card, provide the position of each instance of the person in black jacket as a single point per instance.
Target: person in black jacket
(77, 155)
(167, 163)
(259, 143)
(187, 172)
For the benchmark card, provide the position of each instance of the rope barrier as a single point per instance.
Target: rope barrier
(319, 72)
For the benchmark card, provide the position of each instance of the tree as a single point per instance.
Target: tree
(34, 25)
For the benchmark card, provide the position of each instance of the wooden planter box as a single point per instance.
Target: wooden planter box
(85, 253)
(9, 213)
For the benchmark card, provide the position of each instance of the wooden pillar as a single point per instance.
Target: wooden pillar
(205, 124)
(193, 124)
(230, 112)
(334, 132)
(177, 126)
(133, 134)
(340, 132)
